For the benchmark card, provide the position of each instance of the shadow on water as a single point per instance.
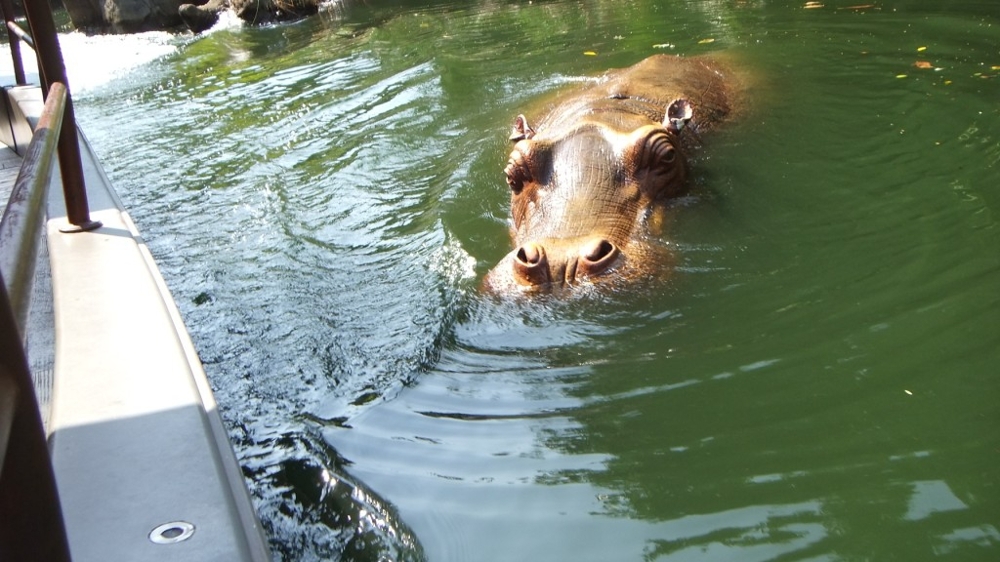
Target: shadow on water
(814, 380)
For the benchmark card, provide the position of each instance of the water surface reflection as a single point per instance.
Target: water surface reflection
(489, 457)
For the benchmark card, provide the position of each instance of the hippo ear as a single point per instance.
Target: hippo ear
(521, 130)
(679, 112)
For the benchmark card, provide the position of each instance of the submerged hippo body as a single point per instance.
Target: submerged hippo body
(587, 176)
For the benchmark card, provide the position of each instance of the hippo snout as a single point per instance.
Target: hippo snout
(562, 262)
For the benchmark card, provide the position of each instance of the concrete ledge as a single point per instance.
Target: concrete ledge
(135, 435)
(23, 105)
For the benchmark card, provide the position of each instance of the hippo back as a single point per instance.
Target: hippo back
(639, 94)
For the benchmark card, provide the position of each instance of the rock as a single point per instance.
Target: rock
(124, 16)
(266, 11)
(202, 17)
(128, 16)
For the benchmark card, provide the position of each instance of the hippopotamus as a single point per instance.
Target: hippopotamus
(589, 177)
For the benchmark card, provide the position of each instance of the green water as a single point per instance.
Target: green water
(817, 380)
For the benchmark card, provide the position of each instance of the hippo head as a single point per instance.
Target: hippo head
(581, 194)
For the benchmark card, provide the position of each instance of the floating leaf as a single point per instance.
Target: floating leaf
(811, 5)
(858, 7)
(995, 67)
(921, 49)
(923, 64)
(900, 76)
(663, 46)
(709, 40)
(590, 53)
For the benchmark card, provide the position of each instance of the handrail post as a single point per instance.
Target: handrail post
(52, 69)
(15, 45)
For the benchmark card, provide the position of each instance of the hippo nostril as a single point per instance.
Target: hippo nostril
(596, 257)
(529, 254)
(599, 251)
(530, 264)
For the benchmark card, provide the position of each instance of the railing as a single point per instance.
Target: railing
(31, 522)
(45, 42)
(32, 527)
(20, 228)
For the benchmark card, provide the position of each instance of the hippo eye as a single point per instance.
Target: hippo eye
(669, 155)
(517, 172)
(660, 151)
(515, 178)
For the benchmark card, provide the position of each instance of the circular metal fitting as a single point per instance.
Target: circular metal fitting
(173, 532)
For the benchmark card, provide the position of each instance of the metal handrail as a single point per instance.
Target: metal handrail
(21, 34)
(20, 228)
(33, 527)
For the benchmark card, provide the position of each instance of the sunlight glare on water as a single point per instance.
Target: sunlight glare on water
(92, 61)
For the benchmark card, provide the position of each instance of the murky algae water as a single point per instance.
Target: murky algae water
(815, 381)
